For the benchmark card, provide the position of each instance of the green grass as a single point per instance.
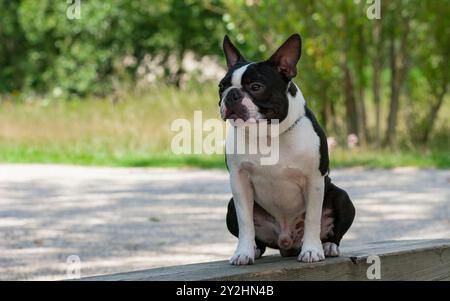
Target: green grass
(106, 158)
(390, 159)
(339, 158)
(136, 132)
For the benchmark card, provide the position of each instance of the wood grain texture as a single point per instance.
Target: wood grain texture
(400, 260)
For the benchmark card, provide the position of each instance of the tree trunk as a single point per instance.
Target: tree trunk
(398, 73)
(350, 101)
(180, 71)
(351, 109)
(376, 79)
(361, 87)
(334, 123)
(432, 115)
(363, 116)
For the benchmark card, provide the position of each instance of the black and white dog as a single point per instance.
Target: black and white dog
(290, 205)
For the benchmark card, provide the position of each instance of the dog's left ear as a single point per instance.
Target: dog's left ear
(286, 57)
(232, 55)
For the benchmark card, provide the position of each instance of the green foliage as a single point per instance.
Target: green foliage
(45, 55)
(338, 37)
(13, 47)
(41, 49)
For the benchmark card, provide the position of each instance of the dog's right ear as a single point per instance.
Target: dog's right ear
(285, 59)
(232, 55)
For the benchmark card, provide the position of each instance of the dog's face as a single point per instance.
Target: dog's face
(254, 91)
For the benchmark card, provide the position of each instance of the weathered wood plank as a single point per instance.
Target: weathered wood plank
(400, 260)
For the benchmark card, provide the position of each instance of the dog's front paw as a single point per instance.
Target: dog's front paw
(330, 249)
(243, 256)
(311, 252)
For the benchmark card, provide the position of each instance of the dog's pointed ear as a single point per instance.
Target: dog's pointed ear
(232, 55)
(286, 57)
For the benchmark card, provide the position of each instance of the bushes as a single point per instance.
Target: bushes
(41, 49)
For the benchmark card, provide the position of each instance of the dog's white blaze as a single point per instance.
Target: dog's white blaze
(236, 81)
(236, 77)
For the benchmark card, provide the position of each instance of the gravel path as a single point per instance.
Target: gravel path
(122, 219)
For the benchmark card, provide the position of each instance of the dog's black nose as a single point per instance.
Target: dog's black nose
(233, 96)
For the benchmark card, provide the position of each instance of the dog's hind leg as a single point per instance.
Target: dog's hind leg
(233, 227)
(342, 212)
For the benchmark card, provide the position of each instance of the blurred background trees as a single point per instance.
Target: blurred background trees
(362, 76)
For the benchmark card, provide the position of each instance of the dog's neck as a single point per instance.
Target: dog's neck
(296, 110)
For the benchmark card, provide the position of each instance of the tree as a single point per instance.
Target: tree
(13, 47)
(399, 28)
(434, 60)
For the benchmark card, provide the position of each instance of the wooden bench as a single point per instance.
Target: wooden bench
(399, 260)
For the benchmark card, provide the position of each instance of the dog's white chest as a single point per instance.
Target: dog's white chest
(279, 190)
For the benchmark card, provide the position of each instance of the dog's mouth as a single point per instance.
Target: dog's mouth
(236, 113)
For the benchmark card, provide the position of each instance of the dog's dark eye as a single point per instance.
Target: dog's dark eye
(255, 87)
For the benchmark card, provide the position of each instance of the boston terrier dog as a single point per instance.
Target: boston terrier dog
(290, 205)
